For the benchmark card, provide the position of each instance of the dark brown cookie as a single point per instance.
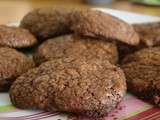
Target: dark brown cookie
(72, 46)
(12, 64)
(102, 25)
(149, 33)
(81, 86)
(142, 70)
(23, 87)
(149, 36)
(16, 37)
(47, 22)
(146, 56)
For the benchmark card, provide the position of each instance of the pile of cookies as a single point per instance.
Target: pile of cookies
(83, 61)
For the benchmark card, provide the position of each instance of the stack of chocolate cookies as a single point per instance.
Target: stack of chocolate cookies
(77, 62)
(79, 59)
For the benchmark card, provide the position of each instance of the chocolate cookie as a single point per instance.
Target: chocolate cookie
(72, 46)
(142, 70)
(146, 56)
(149, 33)
(102, 25)
(16, 37)
(12, 64)
(47, 22)
(90, 87)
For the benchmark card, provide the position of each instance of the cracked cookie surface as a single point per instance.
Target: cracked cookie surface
(72, 46)
(142, 70)
(47, 22)
(12, 64)
(102, 25)
(81, 86)
(16, 37)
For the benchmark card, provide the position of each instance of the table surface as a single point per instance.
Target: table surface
(14, 10)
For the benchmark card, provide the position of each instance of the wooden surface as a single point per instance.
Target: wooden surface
(14, 10)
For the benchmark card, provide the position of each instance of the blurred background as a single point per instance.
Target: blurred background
(14, 10)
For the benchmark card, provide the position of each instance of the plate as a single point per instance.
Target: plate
(130, 108)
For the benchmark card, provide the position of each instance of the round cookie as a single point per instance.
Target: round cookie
(21, 91)
(16, 37)
(89, 87)
(102, 25)
(149, 33)
(47, 22)
(142, 70)
(12, 64)
(148, 56)
(72, 46)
